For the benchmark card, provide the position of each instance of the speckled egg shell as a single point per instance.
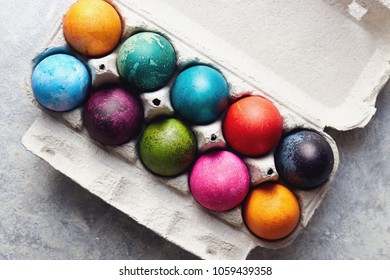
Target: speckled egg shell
(92, 27)
(200, 94)
(113, 116)
(60, 82)
(167, 147)
(304, 159)
(219, 180)
(147, 61)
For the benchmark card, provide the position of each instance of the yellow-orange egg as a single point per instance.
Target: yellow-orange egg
(92, 27)
(271, 211)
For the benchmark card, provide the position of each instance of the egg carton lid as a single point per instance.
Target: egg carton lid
(326, 61)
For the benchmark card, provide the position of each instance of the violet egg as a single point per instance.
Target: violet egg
(219, 180)
(113, 116)
(304, 159)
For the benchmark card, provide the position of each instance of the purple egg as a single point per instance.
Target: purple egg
(113, 116)
(219, 180)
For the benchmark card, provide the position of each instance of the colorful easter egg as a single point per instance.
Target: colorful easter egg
(60, 82)
(92, 27)
(200, 94)
(147, 61)
(271, 211)
(113, 116)
(252, 126)
(167, 147)
(304, 159)
(219, 180)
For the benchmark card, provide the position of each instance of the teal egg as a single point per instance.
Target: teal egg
(147, 61)
(200, 94)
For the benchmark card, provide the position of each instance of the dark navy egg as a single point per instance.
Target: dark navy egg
(304, 159)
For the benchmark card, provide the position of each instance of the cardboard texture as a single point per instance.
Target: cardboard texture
(321, 64)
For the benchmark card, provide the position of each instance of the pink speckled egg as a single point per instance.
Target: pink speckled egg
(219, 180)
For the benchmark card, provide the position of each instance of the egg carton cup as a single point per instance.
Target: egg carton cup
(165, 204)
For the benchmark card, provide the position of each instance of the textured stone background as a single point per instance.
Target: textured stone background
(44, 215)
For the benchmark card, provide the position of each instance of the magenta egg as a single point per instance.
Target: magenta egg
(219, 180)
(113, 116)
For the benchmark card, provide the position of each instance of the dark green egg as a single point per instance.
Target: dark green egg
(147, 61)
(167, 147)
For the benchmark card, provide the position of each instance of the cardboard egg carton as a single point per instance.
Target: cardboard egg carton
(165, 204)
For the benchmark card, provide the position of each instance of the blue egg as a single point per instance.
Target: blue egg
(200, 94)
(60, 82)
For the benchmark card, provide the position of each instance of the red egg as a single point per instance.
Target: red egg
(252, 126)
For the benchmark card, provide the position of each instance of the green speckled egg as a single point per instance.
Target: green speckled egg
(147, 61)
(167, 147)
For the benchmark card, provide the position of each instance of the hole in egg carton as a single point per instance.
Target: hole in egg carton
(103, 71)
(157, 103)
(262, 169)
(209, 136)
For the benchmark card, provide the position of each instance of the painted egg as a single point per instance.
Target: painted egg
(271, 211)
(147, 61)
(304, 159)
(113, 116)
(252, 126)
(60, 82)
(92, 27)
(200, 94)
(167, 147)
(219, 180)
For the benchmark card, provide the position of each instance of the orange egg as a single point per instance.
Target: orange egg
(271, 211)
(92, 27)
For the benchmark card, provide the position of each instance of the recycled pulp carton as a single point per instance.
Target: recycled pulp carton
(322, 63)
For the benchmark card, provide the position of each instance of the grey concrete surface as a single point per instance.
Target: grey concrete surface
(44, 215)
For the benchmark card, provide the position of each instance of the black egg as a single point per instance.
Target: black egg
(304, 159)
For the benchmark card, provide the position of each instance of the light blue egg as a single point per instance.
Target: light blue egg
(60, 82)
(200, 94)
